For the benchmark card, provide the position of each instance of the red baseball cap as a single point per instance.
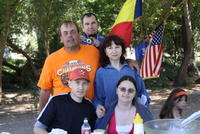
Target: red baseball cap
(79, 73)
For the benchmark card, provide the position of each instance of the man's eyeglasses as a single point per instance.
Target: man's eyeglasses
(123, 89)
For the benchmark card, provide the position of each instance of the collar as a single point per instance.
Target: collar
(110, 66)
(97, 36)
(92, 35)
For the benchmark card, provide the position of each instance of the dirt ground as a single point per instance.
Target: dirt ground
(18, 111)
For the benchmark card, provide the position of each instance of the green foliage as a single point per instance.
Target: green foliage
(7, 80)
(168, 73)
(16, 62)
(198, 63)
(10, 75)
(43, 18)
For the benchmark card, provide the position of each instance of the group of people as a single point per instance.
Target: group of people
(90, 78)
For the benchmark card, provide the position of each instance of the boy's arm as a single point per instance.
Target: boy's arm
(38, 130)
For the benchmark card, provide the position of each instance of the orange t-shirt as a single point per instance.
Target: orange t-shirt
(59, 64)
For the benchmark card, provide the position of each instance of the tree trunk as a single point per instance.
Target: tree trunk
(188, 45)
(2, 46)
(193, 70)
(18, 50)
(3, 38)
(9, 8)
(46, 41)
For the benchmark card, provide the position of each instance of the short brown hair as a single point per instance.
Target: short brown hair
(88, 15)
(67, 22)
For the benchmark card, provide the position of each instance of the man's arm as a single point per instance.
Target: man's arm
(38, 130)
(134, 64)
(44, 96)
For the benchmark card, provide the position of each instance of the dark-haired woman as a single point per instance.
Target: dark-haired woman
(174, 104)
(113, 67)
(120, 114)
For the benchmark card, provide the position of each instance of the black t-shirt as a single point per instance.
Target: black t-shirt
(64, 113)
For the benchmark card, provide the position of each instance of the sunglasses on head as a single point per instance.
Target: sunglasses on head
(123, 89)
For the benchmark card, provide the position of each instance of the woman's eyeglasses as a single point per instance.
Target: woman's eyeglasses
(130, 90)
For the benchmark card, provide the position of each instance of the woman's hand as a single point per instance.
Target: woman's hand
(100, 111)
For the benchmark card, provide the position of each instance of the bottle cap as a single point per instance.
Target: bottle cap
(85, 120)
(138, 119)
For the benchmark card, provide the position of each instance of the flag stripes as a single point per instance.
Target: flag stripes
(130, 11)
(151, 64)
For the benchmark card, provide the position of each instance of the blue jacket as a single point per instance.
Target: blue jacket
(106, 81)
(101, 123)
(140, 50)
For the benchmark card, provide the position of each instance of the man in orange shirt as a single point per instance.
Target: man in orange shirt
(54, 77)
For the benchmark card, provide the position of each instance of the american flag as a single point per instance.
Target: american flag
(151, 63)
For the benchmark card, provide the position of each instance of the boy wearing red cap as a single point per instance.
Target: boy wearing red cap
(67, 111)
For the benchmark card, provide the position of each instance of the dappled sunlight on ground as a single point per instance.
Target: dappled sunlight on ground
(19, 110)
(17, 98)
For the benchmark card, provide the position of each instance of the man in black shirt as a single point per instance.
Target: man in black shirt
(67, 111)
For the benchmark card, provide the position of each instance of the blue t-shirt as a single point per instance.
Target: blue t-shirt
(140, 50)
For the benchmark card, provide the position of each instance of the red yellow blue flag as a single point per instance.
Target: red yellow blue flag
(123, 25)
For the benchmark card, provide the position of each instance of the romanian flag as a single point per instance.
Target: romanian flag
(123, 25)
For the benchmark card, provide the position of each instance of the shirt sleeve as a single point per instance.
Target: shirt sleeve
(45, 80)
(40, 125)
(144, 112)
(142, 93)
(99, 97)
(93, 118)
(47, 115)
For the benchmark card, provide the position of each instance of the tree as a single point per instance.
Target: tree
(188, 45)
(7, 10)
(44, 16)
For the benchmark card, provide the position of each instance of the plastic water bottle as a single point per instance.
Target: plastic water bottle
(85, 128)
(138, 125)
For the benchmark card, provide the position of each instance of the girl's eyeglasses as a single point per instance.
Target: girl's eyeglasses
(129, 90)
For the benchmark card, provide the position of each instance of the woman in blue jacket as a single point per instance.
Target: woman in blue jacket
(113, 67)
